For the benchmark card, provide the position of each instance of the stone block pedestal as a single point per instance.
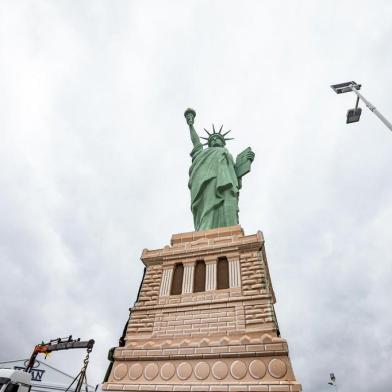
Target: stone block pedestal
(219, 333)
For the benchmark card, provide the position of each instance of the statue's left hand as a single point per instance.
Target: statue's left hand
(250, 155)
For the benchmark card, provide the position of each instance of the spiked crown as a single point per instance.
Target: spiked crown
(214, 133)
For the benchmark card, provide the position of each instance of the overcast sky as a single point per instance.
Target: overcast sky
(94, 158)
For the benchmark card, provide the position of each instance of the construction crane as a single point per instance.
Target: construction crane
(60, 344)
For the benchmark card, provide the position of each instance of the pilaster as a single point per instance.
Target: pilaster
(210, 273)
(167, 275)
(234, 272)
(187, 283)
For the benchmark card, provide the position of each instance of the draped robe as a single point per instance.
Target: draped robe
(214, 188)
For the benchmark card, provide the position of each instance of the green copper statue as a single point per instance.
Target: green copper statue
(214, 178)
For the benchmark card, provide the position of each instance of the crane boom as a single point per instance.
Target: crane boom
(58, 345)
(70, 345)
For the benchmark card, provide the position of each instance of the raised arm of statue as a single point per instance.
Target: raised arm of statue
(190, 115)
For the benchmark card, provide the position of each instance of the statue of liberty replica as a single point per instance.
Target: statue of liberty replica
(214, 178)
(204, 317)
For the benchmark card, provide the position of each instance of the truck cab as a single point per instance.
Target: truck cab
(12, 380)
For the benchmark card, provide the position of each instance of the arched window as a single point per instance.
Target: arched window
(199, 277)
(222, 273)
(178, 275)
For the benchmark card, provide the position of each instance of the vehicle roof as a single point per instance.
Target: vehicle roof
(16, 375)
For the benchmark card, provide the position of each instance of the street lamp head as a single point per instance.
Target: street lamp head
(353, 115)
(345, 87)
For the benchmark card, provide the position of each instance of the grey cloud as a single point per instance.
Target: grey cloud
(94, 157)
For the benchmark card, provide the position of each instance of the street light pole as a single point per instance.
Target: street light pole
(353, 115)
(371, 107)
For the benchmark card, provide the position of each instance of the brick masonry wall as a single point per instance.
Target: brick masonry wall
(143, 321)
(258, 313)
(186, 322)
(253, 275)
(149, 292)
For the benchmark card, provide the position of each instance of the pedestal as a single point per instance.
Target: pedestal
(204, 320)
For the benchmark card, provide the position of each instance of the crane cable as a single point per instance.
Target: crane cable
(81, 377)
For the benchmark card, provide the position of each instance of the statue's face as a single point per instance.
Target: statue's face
(216, 141)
